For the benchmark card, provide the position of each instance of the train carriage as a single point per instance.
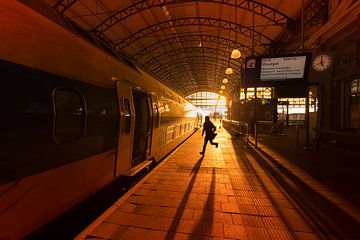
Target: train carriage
(73, 119)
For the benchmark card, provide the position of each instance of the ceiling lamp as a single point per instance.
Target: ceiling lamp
(229, 71)
(221, 91)
(225, 80)
(222, 87)
(235, 54)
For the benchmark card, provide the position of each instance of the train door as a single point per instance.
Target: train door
(155, 127)
(142, 128)
(126, 130)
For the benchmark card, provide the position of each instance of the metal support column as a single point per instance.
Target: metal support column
(255, 89)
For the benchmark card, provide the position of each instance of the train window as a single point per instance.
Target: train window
(69, 115)
(170, 134)
(127, 111)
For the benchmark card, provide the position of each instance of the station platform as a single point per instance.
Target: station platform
(237, 192)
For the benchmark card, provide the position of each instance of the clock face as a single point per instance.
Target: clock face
(321, 62)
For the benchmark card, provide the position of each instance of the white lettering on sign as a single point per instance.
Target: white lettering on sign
(282, 68)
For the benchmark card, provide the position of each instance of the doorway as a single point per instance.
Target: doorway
(142, 129)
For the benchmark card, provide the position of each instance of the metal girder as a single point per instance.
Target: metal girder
(62, 5)
(177, 80)
(201, 77)
(176, 67)
(192, 38)
(186, 88)
(188, 72)
(204, 60)
(180, 69)
(191, 21)
(201, 71)
(186, 51)
(260, 9)
(206, 82)
(202, 89)
(191, 90)
(314, 15)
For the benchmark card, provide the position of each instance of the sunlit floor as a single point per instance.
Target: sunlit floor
(236, 193)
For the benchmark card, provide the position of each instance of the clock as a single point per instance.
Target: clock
(321, 62)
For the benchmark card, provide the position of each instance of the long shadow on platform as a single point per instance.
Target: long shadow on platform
(179, 212)
(208, 212)
(251, 169)
(323, 165)
(322, 215)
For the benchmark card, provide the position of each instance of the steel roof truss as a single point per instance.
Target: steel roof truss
(261, 9)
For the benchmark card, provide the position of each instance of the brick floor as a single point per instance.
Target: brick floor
(235, 193)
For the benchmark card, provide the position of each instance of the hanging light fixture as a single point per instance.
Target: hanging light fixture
(221, 91)
(229, 71)
(225, 80)
(222, 87)
(235, 54)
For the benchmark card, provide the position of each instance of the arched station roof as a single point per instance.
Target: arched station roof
(184, 43)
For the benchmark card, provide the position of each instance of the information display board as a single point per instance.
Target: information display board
(282, 68)
(277, 71)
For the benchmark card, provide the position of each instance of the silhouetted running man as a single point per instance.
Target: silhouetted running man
(209, 128)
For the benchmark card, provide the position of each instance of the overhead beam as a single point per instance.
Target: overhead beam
(204, 60)
(202, 85)
(215, 80)
(189, 52)
(276, 17)
(315, 15)
(196, 38)
(259, 37)
(184, 68)
(180, 66)
(62, 6)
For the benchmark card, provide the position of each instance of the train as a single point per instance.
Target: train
(74, 118)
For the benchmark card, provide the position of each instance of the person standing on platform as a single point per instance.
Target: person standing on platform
(209, 128)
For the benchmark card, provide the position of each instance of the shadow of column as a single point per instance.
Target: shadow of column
(321, 215)
(179, 212)
(248, 166)
(208, 211)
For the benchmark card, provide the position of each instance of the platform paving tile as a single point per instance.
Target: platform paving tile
(274, 223)
(280, 234)
(131, 233)
(106, 230)
(231, 193)
(235, 231)
(127, 207)
(252, 221)
(254, 233)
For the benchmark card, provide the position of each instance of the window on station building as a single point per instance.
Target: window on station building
(249, 94)
(287, 108)
(352, 105)
(294, 108)
(208, 102)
